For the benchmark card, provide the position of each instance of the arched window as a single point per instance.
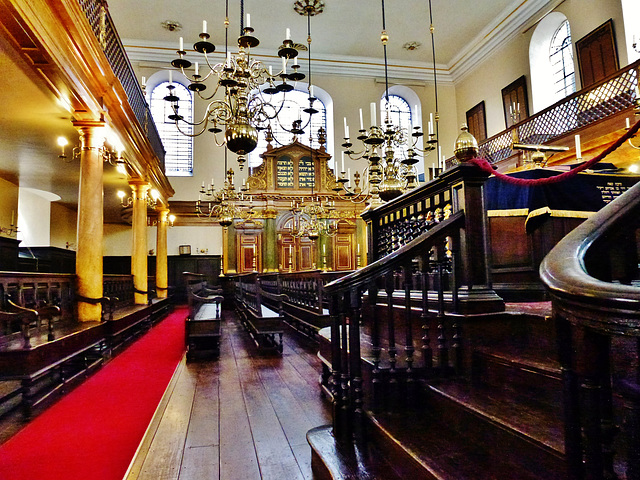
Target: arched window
(402, 115)
(178, 160)
(399, 112)
(293, 105)
(551, 61)
(561, 58)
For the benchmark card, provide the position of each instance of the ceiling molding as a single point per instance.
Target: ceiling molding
(159, 55)
(517, 18)
(512, 21)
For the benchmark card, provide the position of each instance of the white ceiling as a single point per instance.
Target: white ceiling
(348, 30)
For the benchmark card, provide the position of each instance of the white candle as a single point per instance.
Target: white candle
(197, 68)
(311, 91)
(228, 59)
(244, 182)
(324, 249)
(248, 20)
(349, 175)
(284, 65)
(358, 249)
(627, 125)
(342, 170)
(440, 157)
(361, 122)
(373, 113)
(287, 35)
(144, 81)
(181, 44)
(170, 76)
(578, 150)
(204, 26)
(270, 71)
(346, 129)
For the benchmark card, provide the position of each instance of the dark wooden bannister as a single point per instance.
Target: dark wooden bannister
(443, 269)
(592, 277)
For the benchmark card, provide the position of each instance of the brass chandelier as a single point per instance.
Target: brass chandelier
(391, 151)
(308, 218)
(247, 86)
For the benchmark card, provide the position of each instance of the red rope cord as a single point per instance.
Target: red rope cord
(484, 165)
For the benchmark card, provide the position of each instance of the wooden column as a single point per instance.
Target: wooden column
(139, 248)
(161, 255)
(90, 222)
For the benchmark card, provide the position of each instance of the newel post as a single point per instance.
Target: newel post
(473, 271)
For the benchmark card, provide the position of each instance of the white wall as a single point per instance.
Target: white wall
(511, 61)
(34, 219)
(63, 227)
(118, 239)
(8, 204)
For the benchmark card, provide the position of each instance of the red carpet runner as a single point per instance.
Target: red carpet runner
(93, 432)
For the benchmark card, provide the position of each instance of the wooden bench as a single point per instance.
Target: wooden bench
(203, 325)
(260, 312)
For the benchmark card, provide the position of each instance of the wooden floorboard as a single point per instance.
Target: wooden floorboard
(241, 416)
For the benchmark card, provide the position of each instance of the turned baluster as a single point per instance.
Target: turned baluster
(443, 352)
(354, 300)
(391, 331)
(408, 344)
(375, 348)
(456, 340)
(335, 382)
(427, 351)
(344, 367)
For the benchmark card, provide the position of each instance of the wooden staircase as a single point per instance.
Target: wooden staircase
(500, 418)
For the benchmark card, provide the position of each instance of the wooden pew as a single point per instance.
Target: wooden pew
(260, 312)
(203, 325)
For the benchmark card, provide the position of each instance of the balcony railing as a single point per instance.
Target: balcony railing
(614, 94)
(105, 31)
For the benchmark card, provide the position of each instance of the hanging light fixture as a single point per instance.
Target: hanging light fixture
(391, 151)
(247, 87)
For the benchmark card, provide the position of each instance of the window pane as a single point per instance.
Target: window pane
(561, 58)
(179, 147)
(293, 103)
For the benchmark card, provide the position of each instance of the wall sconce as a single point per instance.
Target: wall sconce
(152, 198)
(125, 203)
(153, 222)
(13, 228)
(110, 152)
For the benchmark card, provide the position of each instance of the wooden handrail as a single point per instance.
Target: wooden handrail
(589, 276)
(609, 305)
(397, 259)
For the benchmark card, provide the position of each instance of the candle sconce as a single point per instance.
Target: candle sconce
(13, 228)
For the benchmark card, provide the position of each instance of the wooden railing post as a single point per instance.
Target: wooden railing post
(355, 365)
(409, 349)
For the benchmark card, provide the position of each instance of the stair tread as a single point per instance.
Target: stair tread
(524, 359)
(348, 462)
(509, 410)
(442, 453)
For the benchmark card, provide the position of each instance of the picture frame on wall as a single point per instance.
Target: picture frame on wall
(515, 102)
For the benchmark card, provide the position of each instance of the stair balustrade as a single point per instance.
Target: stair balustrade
(592, 278)
(379, 352)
